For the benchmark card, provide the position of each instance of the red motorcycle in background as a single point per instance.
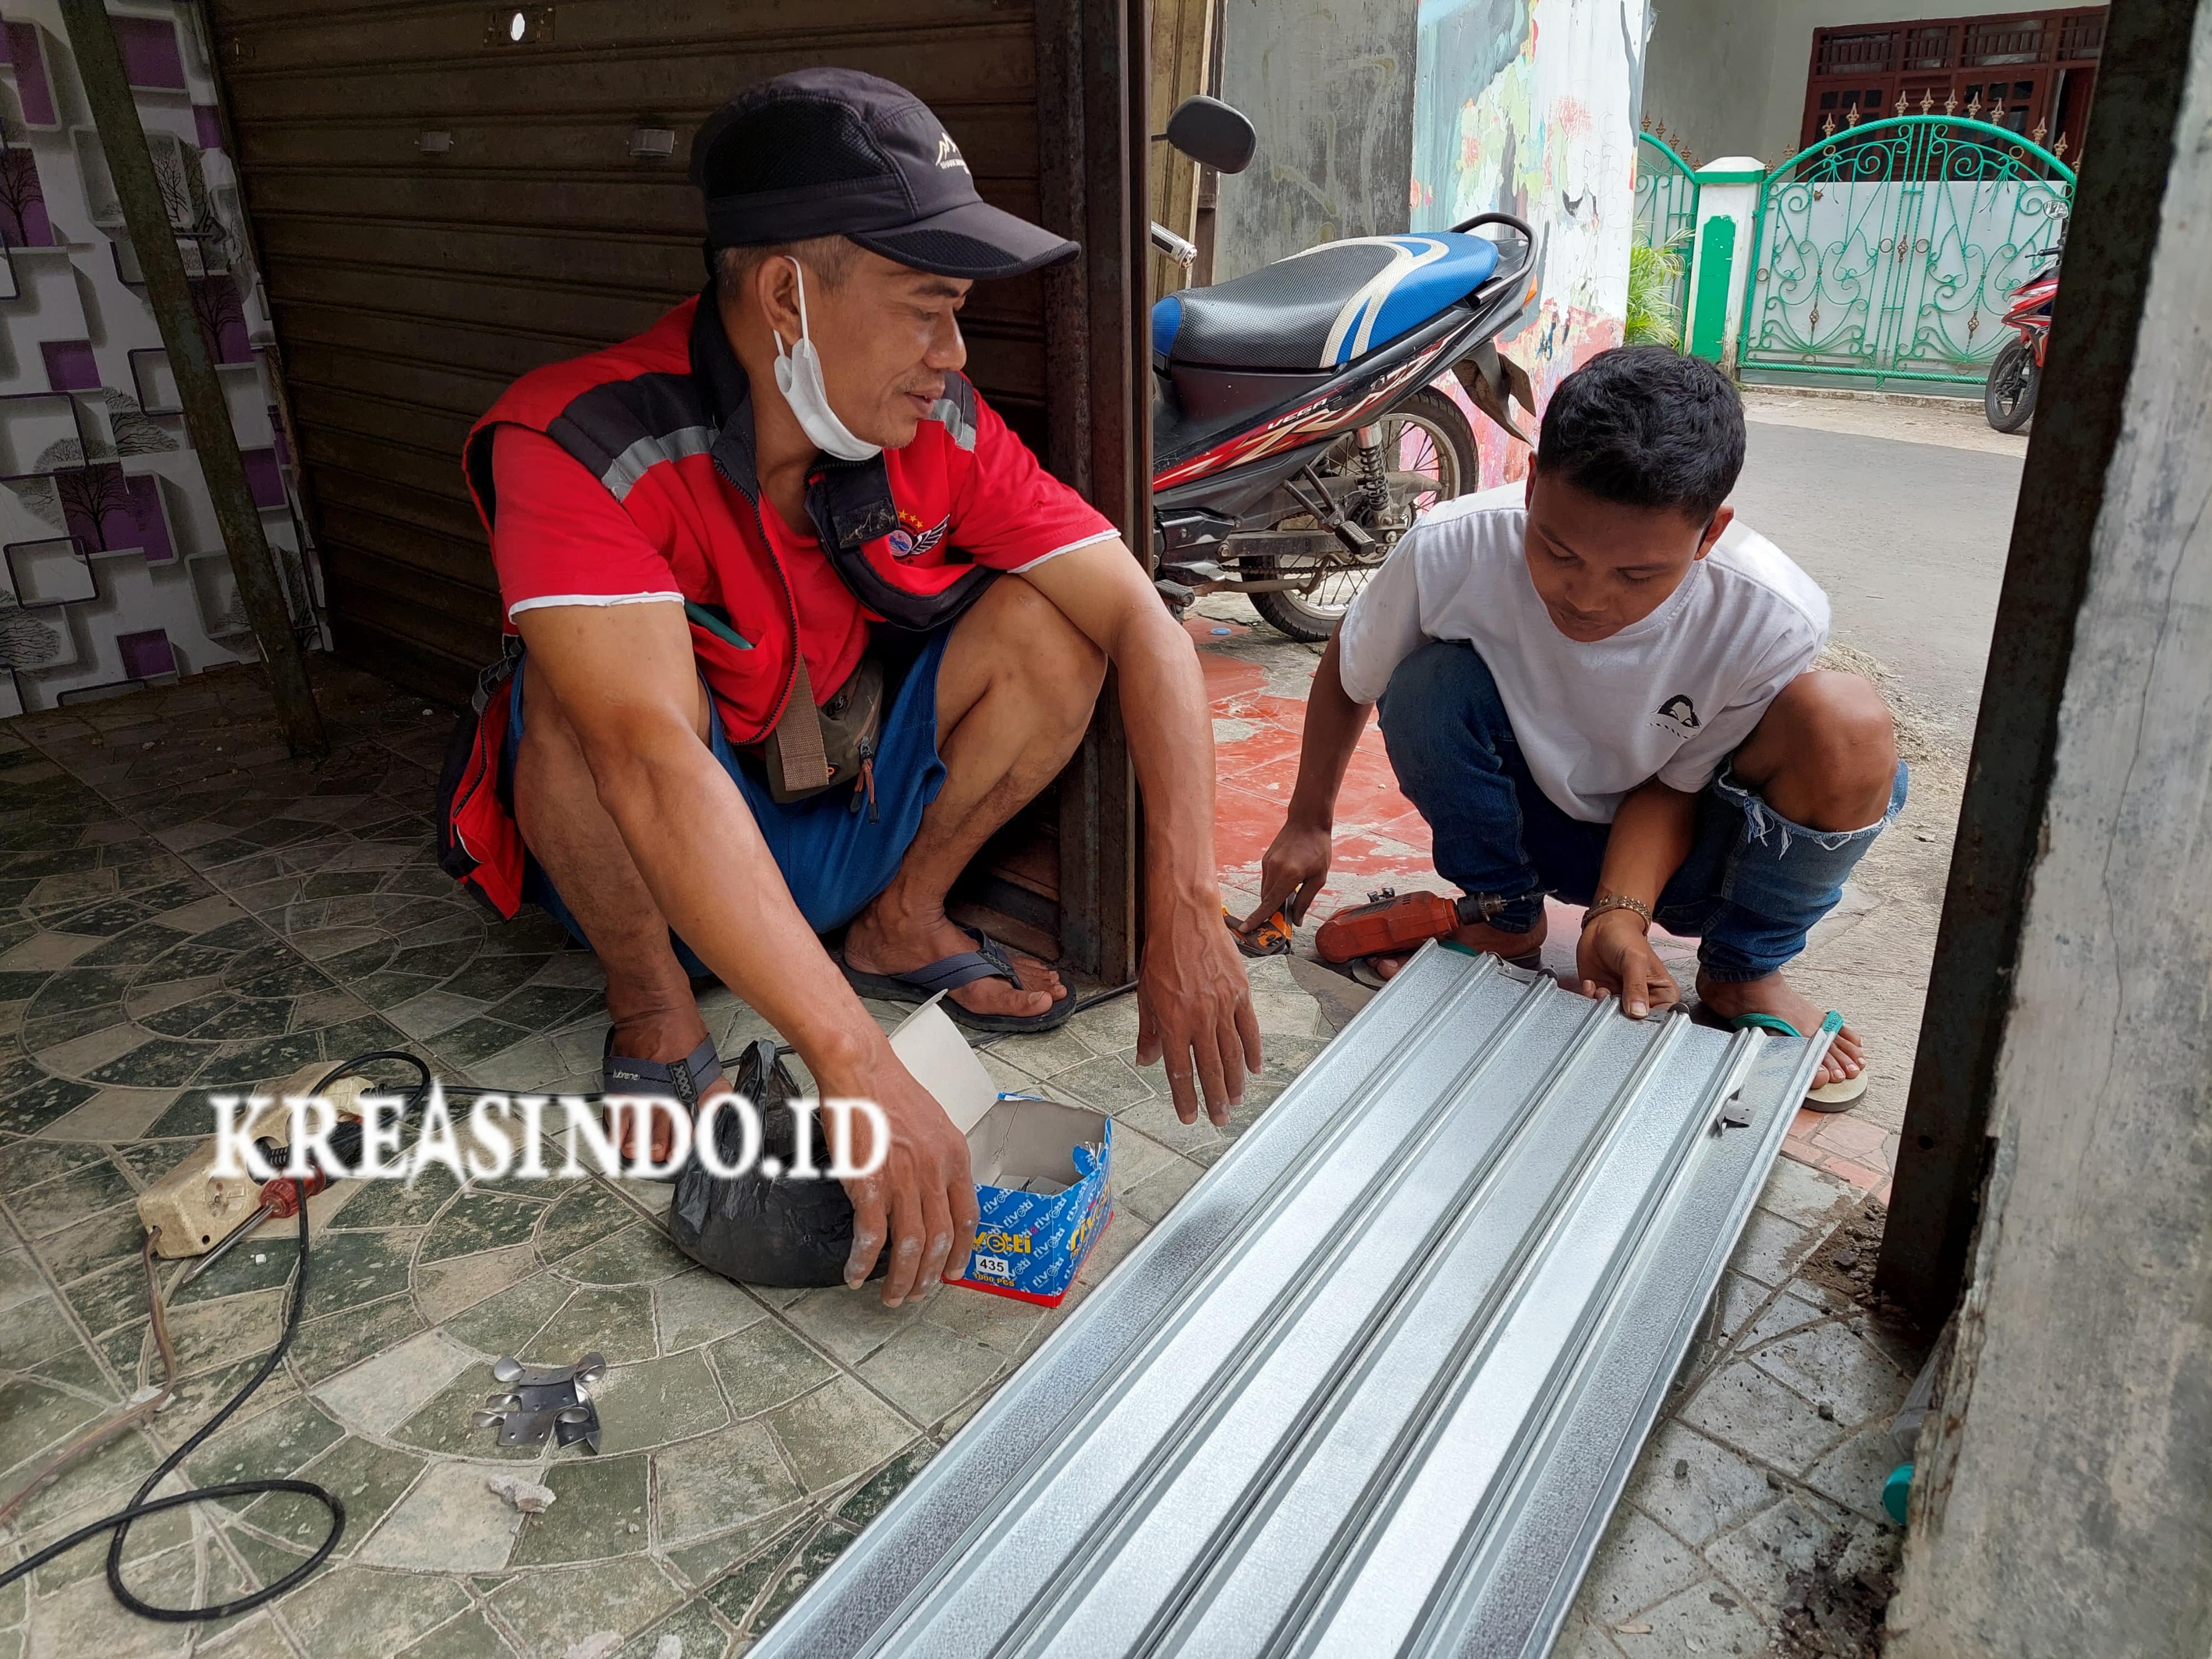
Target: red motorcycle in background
(2009, 397)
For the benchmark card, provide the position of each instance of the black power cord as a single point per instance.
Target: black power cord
(119, 1523)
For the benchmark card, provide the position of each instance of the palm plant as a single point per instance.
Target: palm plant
(1652, 274)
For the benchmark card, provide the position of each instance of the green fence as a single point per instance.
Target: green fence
(1889, 250)
(1666, 217)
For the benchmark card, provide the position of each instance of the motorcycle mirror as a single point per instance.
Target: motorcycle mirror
(1213, 134)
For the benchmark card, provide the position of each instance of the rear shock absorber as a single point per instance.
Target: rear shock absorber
(1374, 481)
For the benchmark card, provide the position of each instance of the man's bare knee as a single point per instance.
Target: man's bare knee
(1835, 750)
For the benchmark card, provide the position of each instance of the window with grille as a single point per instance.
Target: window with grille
(2030, 73)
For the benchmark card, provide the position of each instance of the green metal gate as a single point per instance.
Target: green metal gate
(1666, 219)
(1887, 251)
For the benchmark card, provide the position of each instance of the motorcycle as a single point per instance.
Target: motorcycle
(1298, 428)
(2009, 398)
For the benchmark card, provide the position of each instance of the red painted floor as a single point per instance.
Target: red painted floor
(1381, 840)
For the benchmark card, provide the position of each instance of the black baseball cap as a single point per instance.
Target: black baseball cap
(833, 152)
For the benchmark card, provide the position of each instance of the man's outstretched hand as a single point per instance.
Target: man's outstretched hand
(1194, 1010)
(921, 1204)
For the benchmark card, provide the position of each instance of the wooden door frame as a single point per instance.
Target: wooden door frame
(1092, 94)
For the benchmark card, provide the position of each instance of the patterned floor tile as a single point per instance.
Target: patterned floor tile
(721, 1481)
(326, 1347)
(34, 1415)
(471, 1636)
(507, 1321)
(694, 1625)
(837, 1432)
(392, 1386)
(274, 1443)
(552, 1609)
(358, 1609)
(701, 1307)
(766, 1364)
(659, 1402)
(481, 1221)
(639, 1254)
(111, 1116)
(64, 1200)
(185, 926)
(598, 1512)
(615, 1322)
(807, 1564)
(925, 1371)
(450, 1520)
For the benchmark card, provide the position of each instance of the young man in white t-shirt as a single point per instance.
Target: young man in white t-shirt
(1600, 686)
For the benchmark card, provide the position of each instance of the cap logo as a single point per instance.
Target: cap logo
(948, 153)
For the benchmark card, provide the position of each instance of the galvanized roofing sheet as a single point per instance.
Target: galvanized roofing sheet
(1374, 1386)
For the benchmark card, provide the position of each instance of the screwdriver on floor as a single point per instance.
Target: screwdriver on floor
(281, 1198)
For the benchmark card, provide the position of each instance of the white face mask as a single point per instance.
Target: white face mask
(799, 377)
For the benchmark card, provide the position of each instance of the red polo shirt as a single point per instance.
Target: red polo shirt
(564, 535)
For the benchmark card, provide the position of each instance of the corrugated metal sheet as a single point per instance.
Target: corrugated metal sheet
(1375, 1385)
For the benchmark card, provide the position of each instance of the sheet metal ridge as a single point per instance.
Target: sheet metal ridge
(1375, 1385)
(1151, 1523)
(845, 1610)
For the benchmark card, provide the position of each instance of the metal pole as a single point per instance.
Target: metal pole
(207, 412)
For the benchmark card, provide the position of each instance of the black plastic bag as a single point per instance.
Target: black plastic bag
(790, 1233)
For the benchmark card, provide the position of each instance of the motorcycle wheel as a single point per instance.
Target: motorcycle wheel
(2009, 397)
(1424, 435)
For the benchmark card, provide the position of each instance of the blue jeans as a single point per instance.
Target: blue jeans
(1752, 887)
(833, 859)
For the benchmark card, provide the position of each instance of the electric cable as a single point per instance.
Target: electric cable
(119, 1523)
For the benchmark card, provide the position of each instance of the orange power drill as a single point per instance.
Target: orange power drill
(1391, 922)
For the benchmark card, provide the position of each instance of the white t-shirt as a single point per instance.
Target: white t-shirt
(1671, 696)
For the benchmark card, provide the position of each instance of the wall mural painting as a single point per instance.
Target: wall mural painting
(112, 573)
(1550, 135)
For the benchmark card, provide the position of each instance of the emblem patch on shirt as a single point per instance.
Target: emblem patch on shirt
(1680, 712)
(911, 541)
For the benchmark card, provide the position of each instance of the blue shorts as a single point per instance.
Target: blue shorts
(833, 859)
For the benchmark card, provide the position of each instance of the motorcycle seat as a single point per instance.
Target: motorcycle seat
(1324, 308)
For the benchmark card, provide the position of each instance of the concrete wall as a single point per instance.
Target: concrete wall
(1706, 74)
(2061, 1500)
(1729, 75)
(1330, 88)
(1529, 107)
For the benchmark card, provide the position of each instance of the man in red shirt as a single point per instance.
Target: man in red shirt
(781, 491)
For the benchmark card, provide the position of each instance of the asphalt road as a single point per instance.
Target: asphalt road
(1909, 539)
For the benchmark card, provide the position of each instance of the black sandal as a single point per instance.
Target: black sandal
(687, 1081)
(988, 960)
